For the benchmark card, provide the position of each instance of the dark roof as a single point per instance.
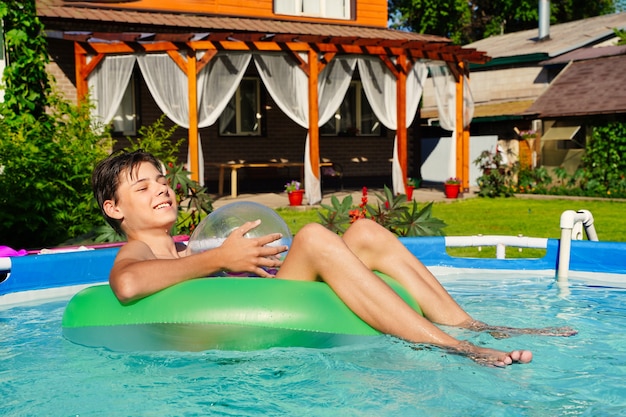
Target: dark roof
(90, 22)
(588, 87)
(586, 53)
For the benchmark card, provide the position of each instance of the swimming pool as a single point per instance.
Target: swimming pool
(44, 374)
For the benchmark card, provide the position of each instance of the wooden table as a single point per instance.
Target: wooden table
(234, 166)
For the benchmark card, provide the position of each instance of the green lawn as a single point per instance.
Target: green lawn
(507, 216)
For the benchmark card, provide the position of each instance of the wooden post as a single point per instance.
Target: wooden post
(314, 132)
(461, 133)
(401, 115)
(82, 88)
(192, 83)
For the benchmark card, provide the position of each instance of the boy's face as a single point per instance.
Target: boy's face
(144, 200)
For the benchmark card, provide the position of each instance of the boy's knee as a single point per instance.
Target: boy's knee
(313, 233)
(364, 226)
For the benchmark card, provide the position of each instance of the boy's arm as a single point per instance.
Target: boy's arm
(137, 272)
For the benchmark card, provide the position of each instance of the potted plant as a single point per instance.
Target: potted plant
(411, 184)
(452, 187)
(294, 192)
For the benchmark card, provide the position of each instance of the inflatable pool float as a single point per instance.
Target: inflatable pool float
(218, 313)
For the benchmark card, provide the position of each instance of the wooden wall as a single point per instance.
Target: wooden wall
(368, 12)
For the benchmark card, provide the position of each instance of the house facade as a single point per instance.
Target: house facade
(511, 90)
(251, 43)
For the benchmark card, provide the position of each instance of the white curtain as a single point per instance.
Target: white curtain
(445, 92)
(379, 84)
(288, 86)
(217, 82)
(107, 84)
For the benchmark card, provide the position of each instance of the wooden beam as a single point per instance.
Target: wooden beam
(192, 87)
(302, 64)
(401, 132)
(82, 87)
(314, 132)
(461, 139)
(206, 58)
(88, 67)
(182, 63)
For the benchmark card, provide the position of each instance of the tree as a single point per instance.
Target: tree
(449, 18)
(26, 82)
(48, 147)
(468, 21)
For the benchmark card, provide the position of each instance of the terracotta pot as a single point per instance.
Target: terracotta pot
(295, 197)
(452, 190)
(409, 192)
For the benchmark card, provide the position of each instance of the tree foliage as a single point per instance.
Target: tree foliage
(48, 147)
(604, 162)
(467, 21)
(26, 82)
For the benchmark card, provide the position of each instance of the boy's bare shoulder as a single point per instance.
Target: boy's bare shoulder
(135, 250)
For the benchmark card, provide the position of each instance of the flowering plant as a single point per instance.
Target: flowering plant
(528, 134)
(413, 182)
(293, 185)
(453, 181)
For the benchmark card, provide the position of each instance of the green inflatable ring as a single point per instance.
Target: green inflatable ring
(218, 313)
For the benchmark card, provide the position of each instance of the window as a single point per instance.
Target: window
(124, 121)
(331, 9)
(242, 116)
(354, 116)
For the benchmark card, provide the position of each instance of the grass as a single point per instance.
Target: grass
(507, 216)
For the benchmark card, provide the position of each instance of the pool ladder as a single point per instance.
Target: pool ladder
(572, 224)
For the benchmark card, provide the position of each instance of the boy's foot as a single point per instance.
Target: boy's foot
(492, 357)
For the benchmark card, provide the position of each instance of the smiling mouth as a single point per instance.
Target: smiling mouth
(162, 206)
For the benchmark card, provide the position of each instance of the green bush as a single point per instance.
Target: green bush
(45, 177)
(497, 177)
(604, 162)
(391, 212)
(602, 172)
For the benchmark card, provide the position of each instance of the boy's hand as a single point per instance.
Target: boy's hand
(242, 254)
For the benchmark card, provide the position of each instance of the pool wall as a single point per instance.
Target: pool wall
(69, 269)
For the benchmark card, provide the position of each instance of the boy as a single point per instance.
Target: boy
(136, 199)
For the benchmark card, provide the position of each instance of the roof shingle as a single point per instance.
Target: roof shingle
(588, 87)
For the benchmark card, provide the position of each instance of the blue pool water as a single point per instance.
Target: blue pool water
(41, 373)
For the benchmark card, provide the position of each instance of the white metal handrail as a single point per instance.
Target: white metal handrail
(500, 242)
(572, 224)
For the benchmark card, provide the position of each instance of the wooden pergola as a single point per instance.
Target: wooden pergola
(398, 55)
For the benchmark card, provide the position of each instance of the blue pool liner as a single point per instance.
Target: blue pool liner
(44, 271)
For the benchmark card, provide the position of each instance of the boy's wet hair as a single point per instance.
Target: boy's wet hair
(105, 179)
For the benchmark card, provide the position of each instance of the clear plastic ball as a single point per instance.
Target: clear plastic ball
(218, 225)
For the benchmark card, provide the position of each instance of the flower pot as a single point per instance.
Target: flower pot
(409, 192)
(452, 190)
(295, 197)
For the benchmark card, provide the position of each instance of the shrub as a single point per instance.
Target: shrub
(45, 178)
(497, 177)
(392, 212)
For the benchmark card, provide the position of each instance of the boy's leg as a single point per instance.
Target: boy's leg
(318, 252)
(380, 250)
